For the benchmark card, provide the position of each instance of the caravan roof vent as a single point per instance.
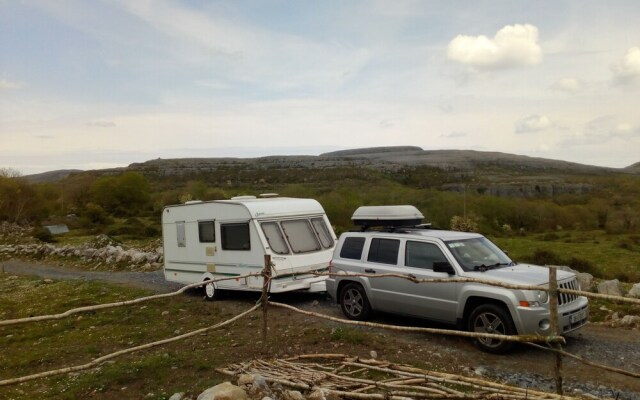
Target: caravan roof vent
(368, 216)
(268, 195)
(243, 197)
(193, 202)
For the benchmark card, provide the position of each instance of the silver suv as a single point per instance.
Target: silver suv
(401, 247)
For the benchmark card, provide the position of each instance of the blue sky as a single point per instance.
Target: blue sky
(96, 84)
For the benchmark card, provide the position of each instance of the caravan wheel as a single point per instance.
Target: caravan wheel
(210, 291)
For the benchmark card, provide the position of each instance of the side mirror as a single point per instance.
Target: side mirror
(443, 266)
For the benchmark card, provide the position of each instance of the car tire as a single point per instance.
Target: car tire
(354, 302)
(492, 318)
(211, 292)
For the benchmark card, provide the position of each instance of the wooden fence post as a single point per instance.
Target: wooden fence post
(553, 311)
(266, 284)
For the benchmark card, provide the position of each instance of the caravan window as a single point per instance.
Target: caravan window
(180, 233)
(206, 231)
(300, 236)
(235, 236)
(274, 237)
(323, 232)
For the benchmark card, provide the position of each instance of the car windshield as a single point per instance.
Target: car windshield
(478, 254)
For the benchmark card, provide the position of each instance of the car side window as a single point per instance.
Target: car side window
(384, 251)
(422, 255)
(352, 248)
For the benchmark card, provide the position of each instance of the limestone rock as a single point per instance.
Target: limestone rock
(292, 395)
(584, 279)
(612, 288)
(635, 291)
(224, 391)
(630, 321)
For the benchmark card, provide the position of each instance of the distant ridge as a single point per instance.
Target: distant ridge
(633, 168)
(371, 150)
(51, 176)
(390, 158)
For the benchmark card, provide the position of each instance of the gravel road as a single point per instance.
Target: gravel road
(526, 367)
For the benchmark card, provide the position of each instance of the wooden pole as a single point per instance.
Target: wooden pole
(266, 283)
(553, 311)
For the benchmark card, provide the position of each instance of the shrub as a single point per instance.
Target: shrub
(545, 257)
(462, 224)
(41, 233)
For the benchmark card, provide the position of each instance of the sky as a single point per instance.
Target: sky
(101, 84)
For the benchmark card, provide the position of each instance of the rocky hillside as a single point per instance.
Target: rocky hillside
(51, 176)
(383, 158)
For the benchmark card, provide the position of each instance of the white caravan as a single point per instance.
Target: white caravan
(205, 240)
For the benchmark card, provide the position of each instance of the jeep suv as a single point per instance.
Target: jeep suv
(402, 247)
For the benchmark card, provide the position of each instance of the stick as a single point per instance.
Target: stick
(485, 282)
(112, 305)
(119, 353)
(587, 362)
(511, 338)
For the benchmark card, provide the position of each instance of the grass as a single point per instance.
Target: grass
(184, 366)
(603, 255)
(36, 347)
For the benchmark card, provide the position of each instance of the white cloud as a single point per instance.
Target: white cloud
(454, 135)
(603, 129)
(5, 84)
(533, 123)
(512, 46)
(627, 71)
(568, 85)
(101, 124)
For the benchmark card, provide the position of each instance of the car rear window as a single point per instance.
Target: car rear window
(352, 248)
(384, 251)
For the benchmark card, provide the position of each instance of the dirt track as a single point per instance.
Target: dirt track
(525, 367)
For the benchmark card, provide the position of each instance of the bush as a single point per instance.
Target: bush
(469, 224)
(545, 257)
(41, 233)
(94, 215)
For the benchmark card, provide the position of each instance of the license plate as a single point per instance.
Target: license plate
(579, 316)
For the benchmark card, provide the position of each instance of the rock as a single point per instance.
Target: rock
(630, 321)
(480, 371)
(165, 313)
(292, 395)
(373, 354)
(245, 380)
(584, 279)
(48, 280)
(177, 396)
(612, 288)
(224, 391)
(317, 395)
(635, 291)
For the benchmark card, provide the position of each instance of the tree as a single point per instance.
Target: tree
(124, 195)
(18, 199)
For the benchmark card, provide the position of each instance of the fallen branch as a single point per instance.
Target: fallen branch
(119, 353)
(509, 338)
(599, 296)
(116, 304)
(484, 282)
(587, 362)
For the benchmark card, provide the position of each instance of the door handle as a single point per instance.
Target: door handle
(370, 271)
